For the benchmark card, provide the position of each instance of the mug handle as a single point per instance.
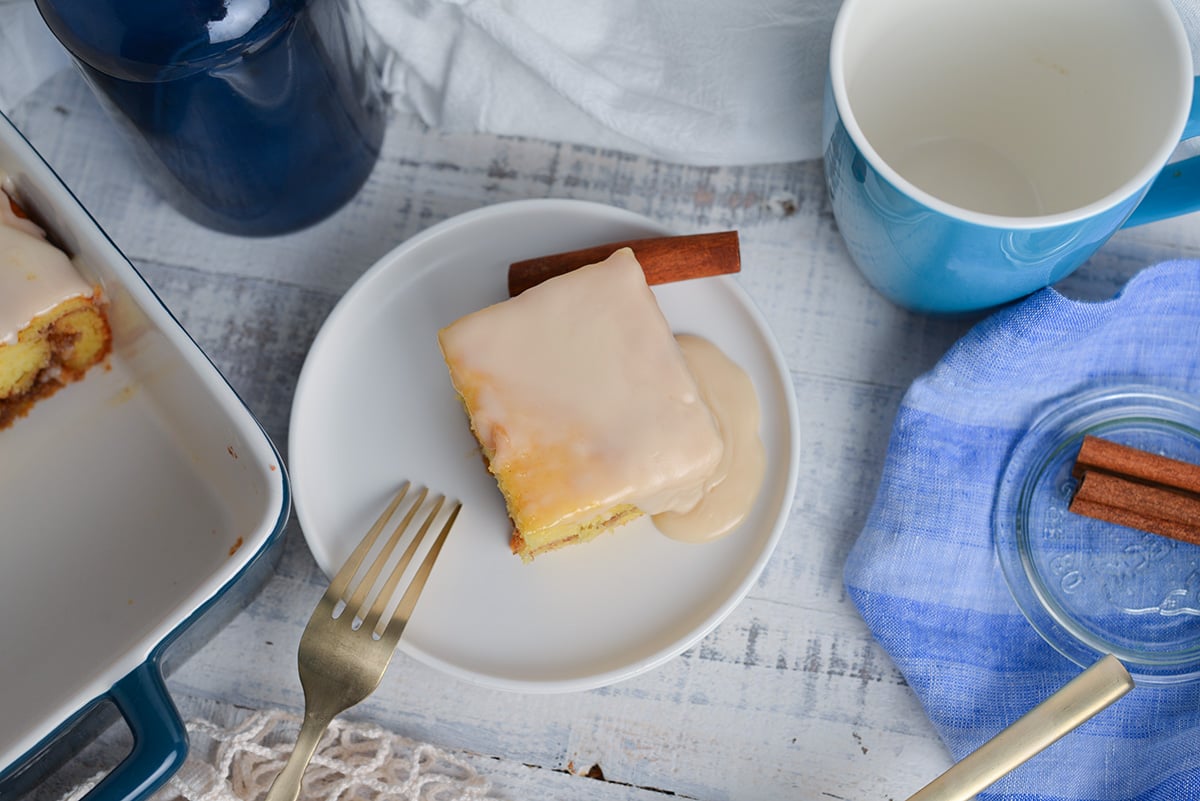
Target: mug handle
(159, 737)
(1176, 190)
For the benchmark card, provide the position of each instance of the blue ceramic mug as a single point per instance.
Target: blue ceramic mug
(976, 151)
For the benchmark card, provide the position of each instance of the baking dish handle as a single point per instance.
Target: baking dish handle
(159, 737)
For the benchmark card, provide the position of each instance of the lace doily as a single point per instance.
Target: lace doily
(355, 762)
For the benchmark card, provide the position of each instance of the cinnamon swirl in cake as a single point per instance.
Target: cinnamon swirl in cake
(52, 322)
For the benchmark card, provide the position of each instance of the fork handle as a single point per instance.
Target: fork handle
(286, 786)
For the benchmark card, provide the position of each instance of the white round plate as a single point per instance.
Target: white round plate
(374, 406)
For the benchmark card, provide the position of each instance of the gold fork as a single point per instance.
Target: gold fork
(341, 663)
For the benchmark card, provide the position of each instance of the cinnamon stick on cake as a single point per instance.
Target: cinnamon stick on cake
(664, 259)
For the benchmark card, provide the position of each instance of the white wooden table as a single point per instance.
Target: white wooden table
(789, 697)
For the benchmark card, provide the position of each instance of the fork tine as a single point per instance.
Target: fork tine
(371, 619)
(358, 601)
(342, 579)
(408, 602)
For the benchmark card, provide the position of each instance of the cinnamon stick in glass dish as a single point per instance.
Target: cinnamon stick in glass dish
(1135, 488)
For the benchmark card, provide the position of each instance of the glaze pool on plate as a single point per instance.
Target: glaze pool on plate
(374, 406)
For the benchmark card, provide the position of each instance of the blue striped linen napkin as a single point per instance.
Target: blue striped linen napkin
(924, 575)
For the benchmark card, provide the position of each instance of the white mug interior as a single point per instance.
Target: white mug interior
(1034, 109)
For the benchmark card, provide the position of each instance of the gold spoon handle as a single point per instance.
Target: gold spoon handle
(1080, 699)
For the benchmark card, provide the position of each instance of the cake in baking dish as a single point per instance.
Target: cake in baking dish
(583, 405)
(52, 322)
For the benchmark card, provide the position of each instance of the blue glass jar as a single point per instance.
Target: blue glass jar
(254, 117)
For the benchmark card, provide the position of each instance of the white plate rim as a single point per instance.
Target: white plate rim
(601, 212)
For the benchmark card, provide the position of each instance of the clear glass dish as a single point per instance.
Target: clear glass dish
(1087, 586)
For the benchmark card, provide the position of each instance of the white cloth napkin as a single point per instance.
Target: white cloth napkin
(692, 81)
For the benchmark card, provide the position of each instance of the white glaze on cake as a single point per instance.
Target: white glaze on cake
(35, 276)
(582, 400)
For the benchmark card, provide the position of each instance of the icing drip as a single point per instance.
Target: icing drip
(731, 490)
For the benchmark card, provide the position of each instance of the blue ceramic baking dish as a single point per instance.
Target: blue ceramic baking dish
(139, 508)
